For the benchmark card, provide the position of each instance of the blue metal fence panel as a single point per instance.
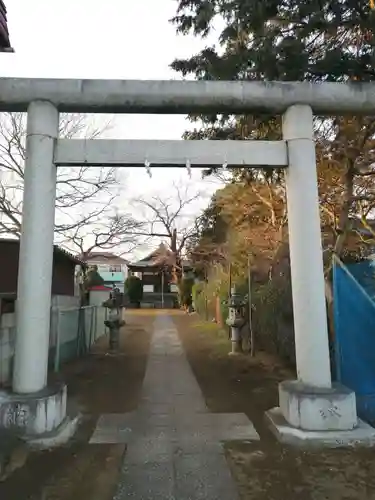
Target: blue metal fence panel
(354, 316)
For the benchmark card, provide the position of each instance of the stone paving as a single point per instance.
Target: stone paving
(174, 443)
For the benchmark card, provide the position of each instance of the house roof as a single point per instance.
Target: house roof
(57, 250)
(70, 256)
(161, 256)
(106, 257)
(158, 257)
(4, 33)
(161, 251)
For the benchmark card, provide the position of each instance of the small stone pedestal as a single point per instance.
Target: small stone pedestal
(236, 341)
(39, 418)
(318, 416)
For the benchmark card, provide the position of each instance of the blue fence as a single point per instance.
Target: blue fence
(354, 316)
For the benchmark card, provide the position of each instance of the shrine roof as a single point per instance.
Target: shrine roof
(161, 256)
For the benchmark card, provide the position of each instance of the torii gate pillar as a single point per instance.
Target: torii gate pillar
(311, 405)
(34, 408)
(306, 259)
(36, 250)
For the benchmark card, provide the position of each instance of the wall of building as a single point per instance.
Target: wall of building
(63, 276)
(63, 280)
(109, 266)
(65, 301)
(9, 267)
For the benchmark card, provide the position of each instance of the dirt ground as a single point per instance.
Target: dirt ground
(101, 383)
(98, 383)
(267, 470)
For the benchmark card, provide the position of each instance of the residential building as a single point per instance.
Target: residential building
(111, 267)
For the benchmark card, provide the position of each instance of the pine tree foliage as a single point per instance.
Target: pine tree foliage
(314, 40)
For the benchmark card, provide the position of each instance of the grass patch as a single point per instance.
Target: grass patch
(219, 335)
(205, 326)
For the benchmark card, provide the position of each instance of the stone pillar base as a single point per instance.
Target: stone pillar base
(363, 435)
(34, 414)
(324, 417)
(316, 409)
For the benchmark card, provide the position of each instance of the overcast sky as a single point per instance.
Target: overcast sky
(126, 39)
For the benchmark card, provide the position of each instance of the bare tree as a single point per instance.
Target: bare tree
(93, 188)
(113, 231)
(170, 218)
(110, 232)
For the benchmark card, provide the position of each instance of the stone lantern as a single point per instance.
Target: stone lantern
(114, 322)
(236, 319)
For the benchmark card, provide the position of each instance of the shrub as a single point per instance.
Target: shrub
(93, 278)
(273, 319)
(185, 291)
(134, 288)
(198, 297)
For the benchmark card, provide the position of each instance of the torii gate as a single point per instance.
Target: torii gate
(311, 407)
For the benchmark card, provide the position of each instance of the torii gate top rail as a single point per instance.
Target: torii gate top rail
(182, 97)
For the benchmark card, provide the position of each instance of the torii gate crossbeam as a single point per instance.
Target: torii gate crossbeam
(174, 153)
(182, 97)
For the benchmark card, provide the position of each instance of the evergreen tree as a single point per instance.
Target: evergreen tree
(285, 40)
(315, 40)
(292, 40)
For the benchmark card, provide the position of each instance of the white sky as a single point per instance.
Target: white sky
(120, 39)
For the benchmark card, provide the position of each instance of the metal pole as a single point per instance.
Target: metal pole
(91, 327)
(252, 346)
(96, 323)
(205, 294)
(162, 288)
(229, 295)
(57, 347)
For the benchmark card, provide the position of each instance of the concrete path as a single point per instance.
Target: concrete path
(174, 444)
